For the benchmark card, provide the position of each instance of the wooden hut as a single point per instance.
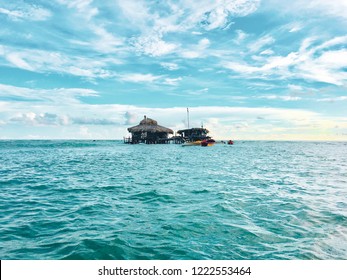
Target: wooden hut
(148, 132)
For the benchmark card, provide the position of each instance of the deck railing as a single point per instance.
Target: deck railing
(171, 140)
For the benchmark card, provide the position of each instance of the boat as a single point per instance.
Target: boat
(195, 143)
(196, 137)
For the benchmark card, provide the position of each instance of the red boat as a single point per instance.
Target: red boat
(230, 142)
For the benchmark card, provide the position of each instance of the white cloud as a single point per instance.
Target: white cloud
(106, 42)
(335, 42)
(85, 14)
(326, 68)
(295, 27)
(136, 13)
(27, 12)
(190, 54)
(34, 119)
(309, 8)
(204, 43)
(261, 42)
(172, 81)
(169, 66)
(310, 62)
(17, 60)
(241, 36)
(109, 121)
(280, 62)
(130, 118)
(185, 15)
(196, 51)
(241, 67)
(333, 99)
(149, 78)
(280, 97)
(139, 78)
(335, 59)
(267, 52)
(153, 45)
(333, 8)
(241, 7)
(12, 14)
(83, 7)
(217, 14)
(182, 16)
(82, 120)
(85, 133)
(45, 61)
(200, 91)
(53, 96)
(216, 18)
(295, 87)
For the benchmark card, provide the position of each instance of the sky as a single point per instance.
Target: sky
(246, 69)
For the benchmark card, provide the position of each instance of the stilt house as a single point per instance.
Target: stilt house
(148, 132)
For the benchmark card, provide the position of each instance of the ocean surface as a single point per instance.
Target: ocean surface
(109, 200)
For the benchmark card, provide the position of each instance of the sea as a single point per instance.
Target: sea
(93, 200)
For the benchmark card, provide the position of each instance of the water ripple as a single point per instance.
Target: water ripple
(107, 200)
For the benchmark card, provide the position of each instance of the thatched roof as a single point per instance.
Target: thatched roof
(149, 125)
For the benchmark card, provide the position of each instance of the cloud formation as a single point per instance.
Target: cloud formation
(180, 17)
(25, 12)
(85, 68)
(311, 62)
(34, 119)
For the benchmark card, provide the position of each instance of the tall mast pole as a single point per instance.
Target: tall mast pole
(188, 116)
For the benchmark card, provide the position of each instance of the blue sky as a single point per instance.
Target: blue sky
(247, 69)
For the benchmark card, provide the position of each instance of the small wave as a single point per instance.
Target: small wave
(151, 196)
(200, 191)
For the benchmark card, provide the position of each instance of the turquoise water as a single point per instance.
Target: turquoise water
(108, 200)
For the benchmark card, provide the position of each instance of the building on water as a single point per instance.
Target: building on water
(148, 132)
